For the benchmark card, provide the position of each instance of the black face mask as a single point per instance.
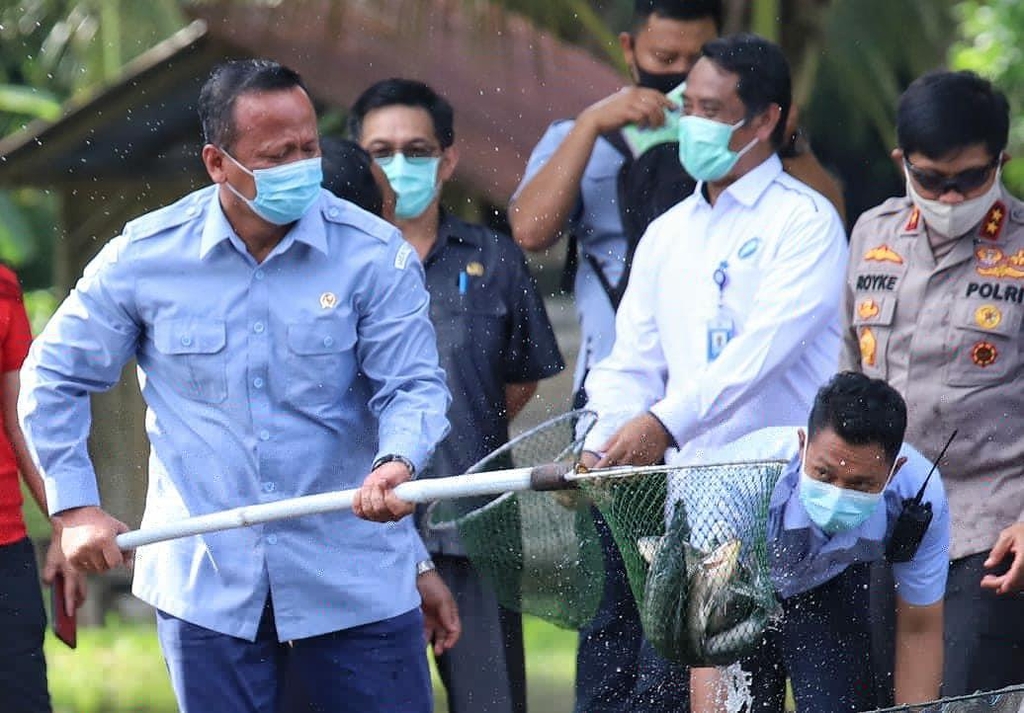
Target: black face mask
(664, 83)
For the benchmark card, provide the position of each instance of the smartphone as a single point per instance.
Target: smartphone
(65, 626)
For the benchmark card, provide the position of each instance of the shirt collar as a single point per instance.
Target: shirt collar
(310, 228)
(750, 186)
(450, 227)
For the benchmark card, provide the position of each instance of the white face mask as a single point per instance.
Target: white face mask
(953, 220)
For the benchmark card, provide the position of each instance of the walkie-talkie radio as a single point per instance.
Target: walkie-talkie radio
(913, 520)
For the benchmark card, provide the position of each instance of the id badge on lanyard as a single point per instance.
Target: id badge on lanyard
(721, 328)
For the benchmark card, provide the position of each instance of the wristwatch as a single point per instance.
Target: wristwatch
(392, 457)
(424, 566)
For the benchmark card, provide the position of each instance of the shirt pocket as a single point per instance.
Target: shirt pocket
(321, 361)
(470, 334)
(872, 319)
(984, 339)
(194, 357)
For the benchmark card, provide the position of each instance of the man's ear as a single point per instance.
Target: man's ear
(801, 436)
(897, 159)
(766, 123)
(449, 160)
(626, 44)
(213, 159)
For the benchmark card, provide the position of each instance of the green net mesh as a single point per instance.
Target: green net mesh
(694, 544)
(1005, 700)
(540, 556)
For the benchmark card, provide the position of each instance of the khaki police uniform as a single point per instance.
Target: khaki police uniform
(947, 335)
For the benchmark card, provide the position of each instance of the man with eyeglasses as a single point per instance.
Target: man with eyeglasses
(934, 305)
(495, 343)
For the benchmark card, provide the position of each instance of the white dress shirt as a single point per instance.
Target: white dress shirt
(784, 252)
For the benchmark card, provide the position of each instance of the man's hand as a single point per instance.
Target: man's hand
(1011, 540)
(87, 539)
(642, 441)
(376, 500)
(74, 581)
(630, 105)
(440, 615)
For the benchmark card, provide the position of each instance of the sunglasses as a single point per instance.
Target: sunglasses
(963, 182)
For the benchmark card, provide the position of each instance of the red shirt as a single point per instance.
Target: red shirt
(15, 338)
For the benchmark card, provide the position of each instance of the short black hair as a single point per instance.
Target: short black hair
(404, 92)
(347, 174)
(684, 10)
(764, 77)
(230, 80)
(862, 411)
(942, 112)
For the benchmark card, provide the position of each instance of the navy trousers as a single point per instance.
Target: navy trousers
(823, 643)
(22, 626)
(375, 668)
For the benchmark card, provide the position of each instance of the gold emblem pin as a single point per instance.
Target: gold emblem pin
(868, 347)
(328, 300)
(988, 316)
(475, 269)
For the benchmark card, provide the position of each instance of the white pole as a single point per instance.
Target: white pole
(416, 491)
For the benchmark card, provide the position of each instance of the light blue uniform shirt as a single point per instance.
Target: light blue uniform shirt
(597, 225)
(263, 382)
(804, 557)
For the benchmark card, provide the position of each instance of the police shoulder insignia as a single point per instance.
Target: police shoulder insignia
(883, 253)
(984, 354)
(868, 347)
(992, 224)
(474, 269)
(988, 316)
(867, 309)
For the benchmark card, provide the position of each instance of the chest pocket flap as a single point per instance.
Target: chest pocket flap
(873, 310)
(189, 336)
(988, 317)
(320, 337)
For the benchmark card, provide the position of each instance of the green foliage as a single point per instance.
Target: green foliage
(991, 43)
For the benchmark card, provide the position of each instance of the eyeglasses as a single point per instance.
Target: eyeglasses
(963, 182)
(414, 155)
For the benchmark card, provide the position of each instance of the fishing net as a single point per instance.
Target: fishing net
(540, 552)
(1005, 700)
(694, 543)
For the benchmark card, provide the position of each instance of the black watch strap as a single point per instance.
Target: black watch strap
(392, 457)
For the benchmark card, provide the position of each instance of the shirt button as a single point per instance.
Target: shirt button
(186, 341)
(271, 539)
(259, 274)
(328, 341)
(269, 487)
(258, 328)
(264, 435)
(258, 382)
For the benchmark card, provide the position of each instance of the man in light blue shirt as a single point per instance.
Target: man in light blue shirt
(833, 511)
(284, 349)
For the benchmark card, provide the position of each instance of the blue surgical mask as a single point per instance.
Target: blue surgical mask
(832, 508)
(414, 181)
(283, 193)
(704, 147)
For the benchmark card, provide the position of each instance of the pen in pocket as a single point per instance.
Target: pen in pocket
(463, 282)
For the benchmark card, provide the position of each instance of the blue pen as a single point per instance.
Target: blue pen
(463, 282)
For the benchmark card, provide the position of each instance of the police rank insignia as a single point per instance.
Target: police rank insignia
(868, 347)
(328, 300)
(474, 269)
(988, 316)
(868, 309)
(984, 354)
(992, 225)
(883, 253)
(913, 221)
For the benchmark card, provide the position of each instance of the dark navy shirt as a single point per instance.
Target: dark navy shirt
(492, 330)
